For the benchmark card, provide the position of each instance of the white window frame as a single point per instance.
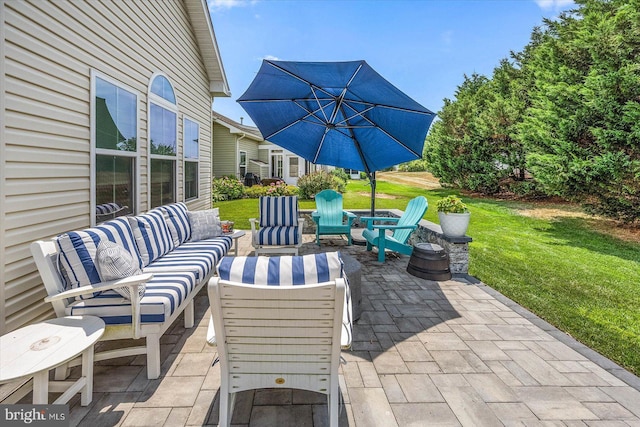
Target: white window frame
(185, 160)
(94, 151)
(289, 173)
(240, 164)
(152, 98)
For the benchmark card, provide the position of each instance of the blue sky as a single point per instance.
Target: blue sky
(424, 47)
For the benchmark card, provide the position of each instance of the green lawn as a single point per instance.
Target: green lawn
(576, 278)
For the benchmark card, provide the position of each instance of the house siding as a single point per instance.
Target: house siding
(49, 50)
(224, 146)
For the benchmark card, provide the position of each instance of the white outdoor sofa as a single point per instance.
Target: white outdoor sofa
(164, 258)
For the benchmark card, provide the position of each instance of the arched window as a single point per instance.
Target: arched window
(163, 141)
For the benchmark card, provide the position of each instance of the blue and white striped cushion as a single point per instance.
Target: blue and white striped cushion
(78, 251)
(282, 270)
(291, 271)
(152, 235)
(107, 208)
(280, 235)
(178, 222)
(165, 292)
(200, 257)
(278, 211)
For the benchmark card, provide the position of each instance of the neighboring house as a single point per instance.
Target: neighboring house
(240, 149)
(100, 102)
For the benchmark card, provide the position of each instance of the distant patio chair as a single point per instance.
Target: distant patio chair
(279, 322)
(109, 211)
(376, 235)
(280, 229)
(329, 216)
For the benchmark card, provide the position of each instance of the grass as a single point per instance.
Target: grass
(580, 279)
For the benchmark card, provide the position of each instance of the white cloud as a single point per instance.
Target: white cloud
(554, 4)
(228, 4)
(271, 58)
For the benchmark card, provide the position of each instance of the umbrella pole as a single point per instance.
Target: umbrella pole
(372, 180)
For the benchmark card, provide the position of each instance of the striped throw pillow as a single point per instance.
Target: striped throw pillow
(178, 222)
(278, 211)
(78, 251)
(152, 235)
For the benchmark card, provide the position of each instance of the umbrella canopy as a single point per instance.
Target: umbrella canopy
(341, 114)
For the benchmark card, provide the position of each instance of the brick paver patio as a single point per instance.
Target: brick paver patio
(424, 353)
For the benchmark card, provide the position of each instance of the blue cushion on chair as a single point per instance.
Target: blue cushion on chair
(280, 235)
(78, 251)
(291, 271)
(152, 235)
(278, 211)
(282, 270)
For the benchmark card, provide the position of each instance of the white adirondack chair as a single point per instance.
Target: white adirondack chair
(277, 337)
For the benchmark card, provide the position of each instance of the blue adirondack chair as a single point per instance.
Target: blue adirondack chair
(329, 216)
(376, 234)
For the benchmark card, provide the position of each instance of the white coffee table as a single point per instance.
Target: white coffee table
(235, 236)
(32, 351)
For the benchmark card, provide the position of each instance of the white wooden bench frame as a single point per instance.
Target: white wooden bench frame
(45, 254)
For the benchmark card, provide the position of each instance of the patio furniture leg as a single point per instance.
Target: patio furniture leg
(153, 357)
(381, 245)
(189, 315)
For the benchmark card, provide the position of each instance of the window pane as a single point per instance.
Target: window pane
(163, 89)
(162, 182)
(116, 117)
(190, 180)
(163, 131)
(115, 183)
(191, 136)
(293, 166)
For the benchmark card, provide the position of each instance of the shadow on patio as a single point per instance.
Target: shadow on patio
(424, 353)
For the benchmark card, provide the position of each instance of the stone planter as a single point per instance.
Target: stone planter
(454, 224)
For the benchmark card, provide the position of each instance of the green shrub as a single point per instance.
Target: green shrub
(312, 184)
(419, 165)
(340, 174)
(226, 188)
(276, 189)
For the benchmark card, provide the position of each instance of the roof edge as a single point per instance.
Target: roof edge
(206, 38)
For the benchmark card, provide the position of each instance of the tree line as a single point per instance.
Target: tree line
(560, 118)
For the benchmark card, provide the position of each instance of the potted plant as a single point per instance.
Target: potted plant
(453, 216)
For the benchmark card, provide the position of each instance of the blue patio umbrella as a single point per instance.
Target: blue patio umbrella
(340, 114)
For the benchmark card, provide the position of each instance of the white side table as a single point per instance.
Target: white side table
(235, 236)
(32, 351)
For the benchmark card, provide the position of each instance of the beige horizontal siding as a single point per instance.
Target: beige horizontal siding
(49, 51)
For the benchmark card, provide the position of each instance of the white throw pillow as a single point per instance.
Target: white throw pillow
(115, 262)
(204, 224)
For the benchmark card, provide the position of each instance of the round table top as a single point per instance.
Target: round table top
(46, 345)
(236, 234)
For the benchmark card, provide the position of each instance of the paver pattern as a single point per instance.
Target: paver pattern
(425, 353)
